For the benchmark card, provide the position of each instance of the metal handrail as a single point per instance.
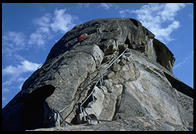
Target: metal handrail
(116, 59)
(99, 80)
(101, 77)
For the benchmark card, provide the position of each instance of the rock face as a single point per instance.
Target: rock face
(105, 74)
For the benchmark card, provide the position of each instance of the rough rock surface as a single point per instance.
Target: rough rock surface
(114, 73)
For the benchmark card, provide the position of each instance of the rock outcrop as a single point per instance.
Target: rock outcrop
(105, 74)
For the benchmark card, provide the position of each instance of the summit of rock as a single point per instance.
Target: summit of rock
(118, 30)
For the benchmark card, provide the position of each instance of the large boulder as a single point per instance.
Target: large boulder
(105, 74)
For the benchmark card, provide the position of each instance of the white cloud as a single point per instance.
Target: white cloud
(170, 10)
(29, 66)
(124, 12)
(13, 76)
(106, 5)
(13, 41)
(23, 67)
(38, 38)
(16, 38)
(49, 23)
(61, 21)
(158, 18)
(43, 21)
(42, 33)
(13, 82)
(46, 25)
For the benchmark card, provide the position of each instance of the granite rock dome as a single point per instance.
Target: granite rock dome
(105, 74)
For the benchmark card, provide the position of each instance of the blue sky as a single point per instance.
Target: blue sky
(30, 30)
